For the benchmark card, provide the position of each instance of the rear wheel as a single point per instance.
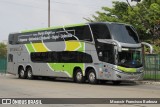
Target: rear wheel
(21, 73)
(29, 73)
(78, 76)
(92, 79)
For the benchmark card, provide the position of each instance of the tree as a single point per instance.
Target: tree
(3, 50)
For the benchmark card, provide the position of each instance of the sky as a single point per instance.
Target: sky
(20, 15)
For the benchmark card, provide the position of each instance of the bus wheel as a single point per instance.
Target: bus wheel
(21, 73)
(29, 73)
(116, 82)
(78, 76)
(92, 77)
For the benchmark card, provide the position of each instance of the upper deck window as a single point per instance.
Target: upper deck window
(123, 33)
(81, 32)
(100, 31)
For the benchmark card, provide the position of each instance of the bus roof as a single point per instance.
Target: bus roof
(56, 27)
(80, 24)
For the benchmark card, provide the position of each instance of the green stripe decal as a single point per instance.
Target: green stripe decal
(127, 69)
(81, 24)
(68, 67)
(29, 48)
(41, 29)
(57, 27)
(82, 48)
(65, 67)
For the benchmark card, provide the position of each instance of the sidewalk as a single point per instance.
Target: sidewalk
(149, 82)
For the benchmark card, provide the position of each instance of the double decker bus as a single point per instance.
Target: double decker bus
(89, 51)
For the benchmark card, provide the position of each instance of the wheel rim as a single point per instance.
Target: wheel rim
(21, 73)
(92, 77)
(29, 74)
(79, 76)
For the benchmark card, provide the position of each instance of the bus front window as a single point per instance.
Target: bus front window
(130, 59)
(124, 34)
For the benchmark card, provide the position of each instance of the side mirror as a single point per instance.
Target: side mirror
(149, 45)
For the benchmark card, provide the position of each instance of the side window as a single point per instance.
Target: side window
(108, 56)
(84, 57)
(10, 58)
(81, 32)
(132, 34)
(61, 57)
(100, 31)
(74, 57)
(10, 39)
(87, 34)
(36, 57)
(105, 53)
(13, 39)
(55, 35)
(52, 57)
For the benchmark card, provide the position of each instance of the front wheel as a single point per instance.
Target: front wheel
(78, 76)
(29, 73)
(92, 79)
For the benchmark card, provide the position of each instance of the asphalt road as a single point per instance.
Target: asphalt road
(12, 87)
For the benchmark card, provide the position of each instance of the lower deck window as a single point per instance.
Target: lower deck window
(61, 57)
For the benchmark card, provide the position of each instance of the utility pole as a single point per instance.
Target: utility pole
(49, 13)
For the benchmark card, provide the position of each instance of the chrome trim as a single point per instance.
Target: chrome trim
(111, 41)
(149, 45)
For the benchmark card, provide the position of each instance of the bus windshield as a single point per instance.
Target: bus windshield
(130, 59)
(123, 33)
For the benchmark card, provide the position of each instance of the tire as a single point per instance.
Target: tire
(92, 79)
(29, 73)
(22, 73)
(116, 82)
(78, 76)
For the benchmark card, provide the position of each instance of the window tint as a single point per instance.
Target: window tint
(132, 34)
(130, 59)
(105, 52)
(71, 33)
(10, 58)
(10, 39)
(100, 31)
(123, 33)
(39, 36)
(61, 57)
(81, 32)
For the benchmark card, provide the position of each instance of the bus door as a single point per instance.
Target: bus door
(10, 65)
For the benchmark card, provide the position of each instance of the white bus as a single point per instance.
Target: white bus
(89, 51)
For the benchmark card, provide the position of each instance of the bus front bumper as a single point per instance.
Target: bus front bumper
(128, 76)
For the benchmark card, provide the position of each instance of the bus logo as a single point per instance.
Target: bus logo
(6, 101)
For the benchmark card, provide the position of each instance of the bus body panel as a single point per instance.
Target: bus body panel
(20, 55)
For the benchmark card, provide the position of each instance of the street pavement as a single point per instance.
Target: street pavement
(12, 87)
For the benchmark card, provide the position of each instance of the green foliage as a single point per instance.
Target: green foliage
(3, 50)
(156, 49)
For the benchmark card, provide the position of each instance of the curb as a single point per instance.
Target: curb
(148, 82)
(3, 74)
